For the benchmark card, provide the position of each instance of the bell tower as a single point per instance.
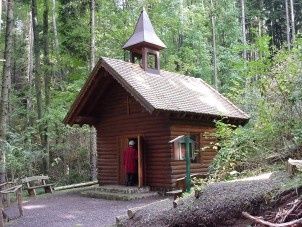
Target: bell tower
(144, 45)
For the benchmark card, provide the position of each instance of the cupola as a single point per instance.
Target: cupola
(144, 45)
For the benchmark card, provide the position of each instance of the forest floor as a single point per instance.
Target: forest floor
(220, 204)
(70, 208)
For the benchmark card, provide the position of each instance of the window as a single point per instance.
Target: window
(152, 61)
(180, 149)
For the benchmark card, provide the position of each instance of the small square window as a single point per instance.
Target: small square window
(180, 149)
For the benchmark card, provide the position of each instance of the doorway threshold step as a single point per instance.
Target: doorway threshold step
(118, 196)
(122, 189)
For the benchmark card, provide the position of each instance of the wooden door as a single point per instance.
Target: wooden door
(123, 144)
(140, 161)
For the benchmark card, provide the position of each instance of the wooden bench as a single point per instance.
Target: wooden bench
(32, 183)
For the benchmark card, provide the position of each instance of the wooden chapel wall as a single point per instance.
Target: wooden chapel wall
(207, 140)
(116, 122)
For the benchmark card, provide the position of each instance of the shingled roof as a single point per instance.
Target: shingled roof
(166, 91)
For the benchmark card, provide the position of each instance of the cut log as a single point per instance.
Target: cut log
(120, 219)
(132, 212)
(90, 183)
(294, 162)
(175, 193)
(259, 220)
(177, 202)
(293, 165)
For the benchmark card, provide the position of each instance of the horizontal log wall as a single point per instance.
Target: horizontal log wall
(116, 122)
(207, 141)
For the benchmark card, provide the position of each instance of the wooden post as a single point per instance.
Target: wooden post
(7, 198)
(188, 165)
(140, 162)
(19, 200)
(2, 212)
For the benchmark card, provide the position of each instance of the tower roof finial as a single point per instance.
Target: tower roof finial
(144, 35)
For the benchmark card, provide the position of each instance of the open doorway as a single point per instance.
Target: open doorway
(123, 145)
(135, 146)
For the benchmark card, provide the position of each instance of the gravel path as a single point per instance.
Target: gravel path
(71, 209)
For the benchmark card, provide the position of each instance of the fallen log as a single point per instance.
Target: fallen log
(133, 211)
(90, 183)
(263, 222)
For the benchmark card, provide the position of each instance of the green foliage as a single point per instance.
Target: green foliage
(200, 184)
(274, 100)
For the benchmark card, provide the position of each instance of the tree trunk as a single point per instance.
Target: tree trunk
(0, 15)
(36, 69)
(292, 13)
(6, 83)
(93, 134)
(244, 54)
(287, 24)
(54, 25)
(260, 24)
(213, 20)
(37, 72)
(29, 69)
(47, 80)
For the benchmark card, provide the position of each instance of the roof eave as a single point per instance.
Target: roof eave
(74, 109)
(240, 120)
(144, 43)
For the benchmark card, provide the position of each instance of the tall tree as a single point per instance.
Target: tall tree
(242, 3)
(93, 134)
(213, 20)
(46, 81)
(37, 78)
(29, 72)
(6, 84)
(36, 69)
(0, 15)
(54, 25)
(292, 13)
(287, 24)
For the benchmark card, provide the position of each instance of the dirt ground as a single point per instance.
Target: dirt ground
(70, 209)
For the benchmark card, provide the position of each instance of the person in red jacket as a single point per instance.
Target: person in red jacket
(130, 163)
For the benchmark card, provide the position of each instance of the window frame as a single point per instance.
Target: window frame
(179, 149)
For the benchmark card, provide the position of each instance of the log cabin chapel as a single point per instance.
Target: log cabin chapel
(138, 101)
